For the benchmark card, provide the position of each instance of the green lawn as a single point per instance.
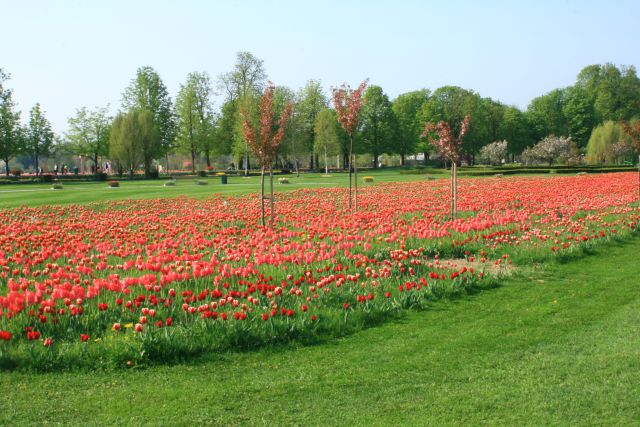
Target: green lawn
(84, 192)
(553, 347)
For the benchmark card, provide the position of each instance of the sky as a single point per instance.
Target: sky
(66, 54)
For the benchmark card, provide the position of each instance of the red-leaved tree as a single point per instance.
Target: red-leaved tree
(347, 103)
(264, 139)
(633, 130)
(441, 136)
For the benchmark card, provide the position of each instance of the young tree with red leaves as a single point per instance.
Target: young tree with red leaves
(441, 136)
(348, 103)
(264, 139)
(633, 130)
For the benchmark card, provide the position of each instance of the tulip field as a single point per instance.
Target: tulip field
(137, 282)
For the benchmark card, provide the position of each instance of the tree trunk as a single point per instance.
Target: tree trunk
(375, 160)
(326, 165)
(355, 184)
(95, 163)
(262, 195)
(37, 171)
(271, 197)
(6, 165)
(317, 162)
(401, 159)
(454, 190)
(345, 161)
(193, 161)
(311, 164)
(350, 168)
(208, 157)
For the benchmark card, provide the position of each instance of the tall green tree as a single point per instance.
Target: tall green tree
(11, 135)
(545, 114)
(248, 77)
(452, 104)
(378, 123)
(242, 87)
(327, 135)
(578, 110)
(148, 92)
(88, 134)
(494, 113)
(310, 101)
(516, 130)
(406, 107)
(195, 117)
(134, 140)
(39, 136)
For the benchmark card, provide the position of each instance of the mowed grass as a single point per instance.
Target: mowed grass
(558, 346)
(86, 192)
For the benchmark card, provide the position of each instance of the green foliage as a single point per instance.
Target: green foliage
(134, 140)
(88, 134)
(406, 107)
(39, 136)
(545, 115)
(452, 104)
(196, 127)
(148, 92)
(379, 125)
(326, 134)
(603, 143)
(311, 100)
(579, 112)
(11, 134)
(515, 129)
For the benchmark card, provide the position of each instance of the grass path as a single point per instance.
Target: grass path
(559, 346)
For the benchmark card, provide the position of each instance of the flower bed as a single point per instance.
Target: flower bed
(160, 280)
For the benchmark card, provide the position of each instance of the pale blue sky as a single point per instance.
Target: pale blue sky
(68, 54)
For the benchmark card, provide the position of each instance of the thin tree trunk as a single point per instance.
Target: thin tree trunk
(401, 159)
(350, 167)
(454, 190)
(262, 195)
(6, 165)
(271, 196)
(208, 158)
(355, 183)
(326, 165)
(246, 169)
(311, 164)
(193, 161)
(317, 162)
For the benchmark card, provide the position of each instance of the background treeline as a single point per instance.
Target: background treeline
(153, 132)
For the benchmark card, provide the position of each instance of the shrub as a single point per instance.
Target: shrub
(113, 184)
(16, 172)
(367, 179)
(56, 186)
(47, 178)
(202, 173)
(284, 181)
(102, 176)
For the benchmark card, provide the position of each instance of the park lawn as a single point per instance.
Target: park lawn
(556, 345)
(17, 195)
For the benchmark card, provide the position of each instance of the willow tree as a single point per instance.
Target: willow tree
(441, 136)
(347, 103)
(264, 140)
